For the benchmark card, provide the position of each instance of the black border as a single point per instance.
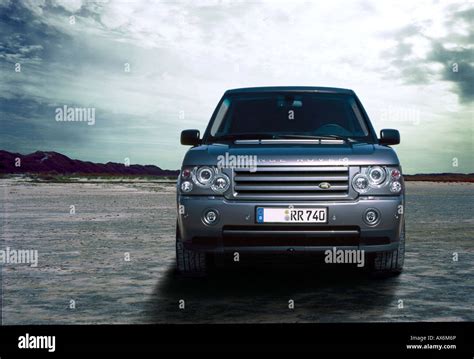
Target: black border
(325, 338)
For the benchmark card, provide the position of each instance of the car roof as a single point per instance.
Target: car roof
(289, 89)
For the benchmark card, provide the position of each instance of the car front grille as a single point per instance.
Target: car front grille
(289, 182)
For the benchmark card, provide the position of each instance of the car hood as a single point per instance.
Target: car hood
(296, 154)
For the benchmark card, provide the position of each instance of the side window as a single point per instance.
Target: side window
(220, 116)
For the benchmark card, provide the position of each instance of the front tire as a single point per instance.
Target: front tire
(391, 263)
(189, 262)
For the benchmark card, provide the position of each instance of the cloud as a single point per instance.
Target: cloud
(457, 68)
(14, 50)
(449, 57)
(68, 5)
(35, 6)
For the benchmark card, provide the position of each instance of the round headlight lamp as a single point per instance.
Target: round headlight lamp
(377, 175)
(220, 184)
(205, 175)
(360, 183)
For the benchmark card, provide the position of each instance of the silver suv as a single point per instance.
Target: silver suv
(290, 169)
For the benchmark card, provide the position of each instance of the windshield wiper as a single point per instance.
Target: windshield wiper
(259, 136)
(316, 137)
(245, 135)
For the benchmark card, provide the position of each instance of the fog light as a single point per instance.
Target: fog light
(395, 187)
(186, 186)
(210, 217)
(371, 217)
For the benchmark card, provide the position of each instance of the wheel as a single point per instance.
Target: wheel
(390, 263)
(189, 262)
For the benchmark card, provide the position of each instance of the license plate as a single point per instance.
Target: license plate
(291, 215)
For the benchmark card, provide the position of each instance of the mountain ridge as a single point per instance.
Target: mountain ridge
(56, 163)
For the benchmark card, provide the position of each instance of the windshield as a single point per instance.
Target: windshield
(288, 114)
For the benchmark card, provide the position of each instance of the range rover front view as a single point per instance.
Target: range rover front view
(290, 169)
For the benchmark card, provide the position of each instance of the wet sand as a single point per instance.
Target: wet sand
(82, 257)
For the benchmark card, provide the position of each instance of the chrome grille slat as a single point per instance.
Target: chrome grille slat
(295, 169)
(293, 178)
(286, 182)
(288, 196)
(240, 188)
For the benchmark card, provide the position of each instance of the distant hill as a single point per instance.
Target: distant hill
(441, 177)
(57, 163)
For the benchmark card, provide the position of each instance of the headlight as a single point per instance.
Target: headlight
(377, 175)
(221, 183)
(205, 175)
(378, 180)
(360, 183)
(203, 180)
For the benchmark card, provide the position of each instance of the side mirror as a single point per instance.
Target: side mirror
(389, 137)
(190, 137)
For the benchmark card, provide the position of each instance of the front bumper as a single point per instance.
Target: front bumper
(236, 228)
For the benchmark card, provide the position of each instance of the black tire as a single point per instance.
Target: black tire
(189, 262)
(390, 263)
